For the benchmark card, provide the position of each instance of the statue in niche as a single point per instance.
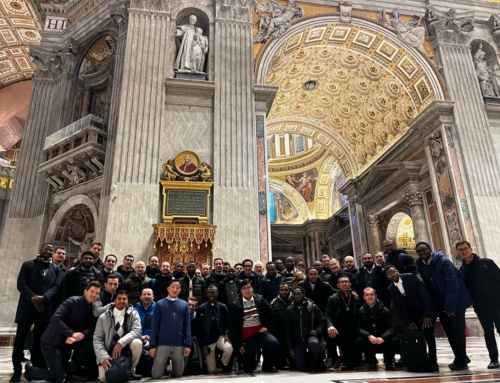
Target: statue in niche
(278, 20)
(193, 47)
(411, 32)
(105, 53)
(495, 29)
(495, 80)
(483, 72)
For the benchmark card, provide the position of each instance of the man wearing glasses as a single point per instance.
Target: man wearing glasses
(109, 268)
(249, 319)
(248, 273)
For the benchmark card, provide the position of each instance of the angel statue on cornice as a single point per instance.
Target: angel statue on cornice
(412, 32)
(274, 18)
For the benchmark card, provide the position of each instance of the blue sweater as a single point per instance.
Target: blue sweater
(171, 325)
(146, 317)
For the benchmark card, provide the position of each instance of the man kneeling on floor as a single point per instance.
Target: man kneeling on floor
(118, 332)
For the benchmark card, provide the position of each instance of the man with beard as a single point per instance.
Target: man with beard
(75, 281)
(279, 306)
(319, 268)
(109, 268)
(217, 275)
(137, 282)
(376, 331)
(279, 266)
(317, 290)
(350, 265)
(379, 258)
(291, 274)
(152, 270)
(304, 326)
(192, 286)
(162, 281)
(399, 258)
(341, 316)
(336, 272)
(325, 262)
(38, 282)
(270, 283)
(107, 295)
(372, 275)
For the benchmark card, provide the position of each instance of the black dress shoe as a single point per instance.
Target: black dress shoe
(434, 367)
(457, 367)
(16, 377)
(270, 369)
(28, 369)
(494, 364)
(76, 378)
(468, 360)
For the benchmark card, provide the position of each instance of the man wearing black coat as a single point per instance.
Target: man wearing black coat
(229, 288)
(217, 275)
(376, 331)
(75, 281)
(372, 275)
(192, 286)
(482, 278)
(399, 258)
(38, 282)
(304, 326)
(317, 290)
(249, 319)
(279, 306)
(336, 272)
(248, 273)
(162, 281)
(269, 284)
(153, 269)
(126, 270)
(109, 268)
(137, 282)
(71, 328)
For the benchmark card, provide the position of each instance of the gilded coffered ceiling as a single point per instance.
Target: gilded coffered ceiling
(352, 89)
(18, 27)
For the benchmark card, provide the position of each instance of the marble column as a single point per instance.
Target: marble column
(414, 200)
(373, 234)
(481, 168)
(28, 216)
(133, 202)
(235, 208)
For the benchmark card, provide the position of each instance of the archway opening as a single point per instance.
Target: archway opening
(400, 228)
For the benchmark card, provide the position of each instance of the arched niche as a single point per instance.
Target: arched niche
(94, 83)
(291, 208)
(400, 229)
(487, 67)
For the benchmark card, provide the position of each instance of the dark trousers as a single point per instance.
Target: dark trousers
(57, 361)
(454, 327)
(22, 332)
(262, 341)
(282, 357)
(346, 340)
(389, 348)
(301, 357)
(418, 319)
(489, 320)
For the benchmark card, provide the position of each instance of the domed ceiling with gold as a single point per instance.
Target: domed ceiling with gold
(348, 87)
(19, 27)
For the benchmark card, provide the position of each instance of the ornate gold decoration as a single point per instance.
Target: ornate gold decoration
(370, 87)
(6, 183)
(19, 27)
(293, 195)
(186, 166)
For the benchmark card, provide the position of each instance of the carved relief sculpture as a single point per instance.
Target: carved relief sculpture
(495, 80)
(495, 28)
(449, 26)
(274, 19)
(436, 145)
(483, 72)
(413, 197)
(193, 47)
(411, 32)
(345, 11)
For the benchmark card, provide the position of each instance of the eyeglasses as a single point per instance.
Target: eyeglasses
(463, 249)
(191, 305)
(247, 288)
(343, 282)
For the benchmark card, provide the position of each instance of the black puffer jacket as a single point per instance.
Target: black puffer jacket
(279, 307)
(301, 320)
(322, 291)
(134, 286)
(199, 289)
(214, 279)
(376, 321)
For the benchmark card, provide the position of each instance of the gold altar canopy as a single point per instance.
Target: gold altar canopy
(185, 234)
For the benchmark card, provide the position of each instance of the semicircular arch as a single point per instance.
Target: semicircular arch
(293, 195)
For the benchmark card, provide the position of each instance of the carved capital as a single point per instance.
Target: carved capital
(413, 197)
(240, 10)
(372, 222)
(119, 14)
(151, 5)
(449, 27)
(51, 65)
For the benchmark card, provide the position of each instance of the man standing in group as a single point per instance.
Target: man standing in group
(192, 285)
(58, 258)
(248, 273)
(109, 268)
(350, 265)
(153, 268)
(162, 281)
(279, 306)
(399, 258)
(336, 272)
(126, 270)
(325, 262)
(212, 331)
(372, 275)
(451, 297)
(107, 294)
(38, 282)
(229, 288)
(118, 332)
(270, 283)
(96, 249)
(178, 272)
(205, 270)
(75, 281)
(317, 290)
(170, 332)
(292, 275)
(136, 282)
(71, 327)
(217, 275)
(258, 267)
(379, 258)
(482, 278)
(249, 318)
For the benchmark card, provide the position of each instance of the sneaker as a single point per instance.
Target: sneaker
(493, 364)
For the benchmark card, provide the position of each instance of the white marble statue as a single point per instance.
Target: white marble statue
(495, 80)
(411, 32)
(279, 18)
(193, 47)
(483, 72)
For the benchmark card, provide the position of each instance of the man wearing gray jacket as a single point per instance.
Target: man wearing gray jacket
(118, 331)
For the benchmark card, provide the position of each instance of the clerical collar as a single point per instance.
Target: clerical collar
(170, 298)
(428, 262)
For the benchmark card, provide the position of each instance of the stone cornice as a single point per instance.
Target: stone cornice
(264, 97)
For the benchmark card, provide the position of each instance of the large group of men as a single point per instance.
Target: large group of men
(186, 319)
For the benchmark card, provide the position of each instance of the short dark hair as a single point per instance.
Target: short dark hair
(151, 256)
(423, 243)
(121, 292)
(87, 253)
(129, 256)
(388, 267)
(226, 263)
(172, 281)
(58, 247)
(270, 264)
(111, 255)
(93, 284)
(284, 284)
(245, 282)
(344, 277)
(96, 243)
(194, 299)
(245, 261)
(218, 259)
(237, 264)
(462, 243)
(112, 276)
(309, 269)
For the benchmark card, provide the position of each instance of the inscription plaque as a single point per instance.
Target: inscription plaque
(186, 203)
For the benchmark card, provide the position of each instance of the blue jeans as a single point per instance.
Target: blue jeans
(269, 346)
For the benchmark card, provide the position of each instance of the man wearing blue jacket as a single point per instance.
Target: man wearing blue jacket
(444, 283)
(170, 332)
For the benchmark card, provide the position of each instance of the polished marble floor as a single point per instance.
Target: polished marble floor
(477, 371)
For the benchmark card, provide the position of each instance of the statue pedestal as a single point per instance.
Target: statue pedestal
(198, 76)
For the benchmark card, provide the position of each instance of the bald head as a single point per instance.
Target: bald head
(349, 262)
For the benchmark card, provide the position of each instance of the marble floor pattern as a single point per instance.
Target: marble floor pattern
(477, 372)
